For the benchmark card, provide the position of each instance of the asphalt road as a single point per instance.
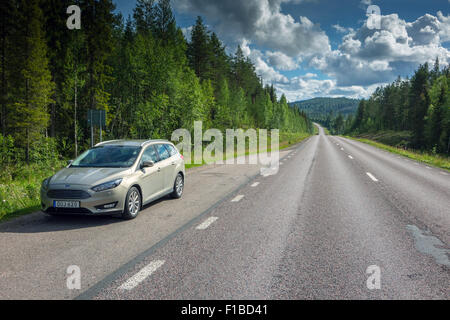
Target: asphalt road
(311, 231)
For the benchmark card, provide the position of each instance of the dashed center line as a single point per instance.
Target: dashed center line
(372, 177)
(444, 173)
(350, 157)
(205, 224)
(142, 275)
(342, 149)
(255, 184)
(238, 198)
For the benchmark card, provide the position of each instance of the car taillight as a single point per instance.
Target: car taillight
(182, 158)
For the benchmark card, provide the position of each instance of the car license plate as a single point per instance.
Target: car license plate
(66, 204)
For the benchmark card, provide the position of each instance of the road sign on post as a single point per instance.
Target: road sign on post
(96, 118)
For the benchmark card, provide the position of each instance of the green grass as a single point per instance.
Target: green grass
(20, 188)
(430, 159)
(20, 185)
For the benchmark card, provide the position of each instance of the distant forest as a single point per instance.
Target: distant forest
(319, 109)
(140, 69)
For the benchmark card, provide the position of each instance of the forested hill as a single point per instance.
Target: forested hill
(319, 108)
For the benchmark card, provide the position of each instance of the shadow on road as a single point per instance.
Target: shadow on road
(39, 222)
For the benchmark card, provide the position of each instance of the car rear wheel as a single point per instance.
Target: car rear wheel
(178, 187)
(132, 204)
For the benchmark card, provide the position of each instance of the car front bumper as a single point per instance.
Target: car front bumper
(92, 205)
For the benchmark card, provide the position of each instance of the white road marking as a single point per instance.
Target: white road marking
(444, 173)
(255, 184)
(428, 168)
(372, 177)
(342, 149)
(205, 224)
(350, 157)
(141, 275)
(238, 198)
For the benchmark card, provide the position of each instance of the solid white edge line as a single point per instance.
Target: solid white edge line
(238, 198)
(205, 224)
(372, 177)
(142, 275)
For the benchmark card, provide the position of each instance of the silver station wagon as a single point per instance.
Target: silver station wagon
(115, 177)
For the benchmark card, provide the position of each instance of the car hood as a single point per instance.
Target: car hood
(87, 176)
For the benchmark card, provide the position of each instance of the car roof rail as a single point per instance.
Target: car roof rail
(107, 142)
(154, 141)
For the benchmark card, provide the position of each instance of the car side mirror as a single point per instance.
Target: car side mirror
(147, 164)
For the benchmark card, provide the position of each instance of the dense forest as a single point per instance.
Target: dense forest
(319, 109)
(141, 70)
(415, 112)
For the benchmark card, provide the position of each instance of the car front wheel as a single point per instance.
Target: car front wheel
(132, 204)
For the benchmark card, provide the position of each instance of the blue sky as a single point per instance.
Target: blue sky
(312, 48)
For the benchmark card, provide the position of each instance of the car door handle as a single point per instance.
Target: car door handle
(173, 163)
(159, 169)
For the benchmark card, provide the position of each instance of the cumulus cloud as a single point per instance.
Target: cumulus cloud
(281, 61)
(268, 73)
(368, 56)
(263, 22)
(342, 29)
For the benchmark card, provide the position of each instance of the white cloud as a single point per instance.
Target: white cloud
(187, 32)
(261, 21)
(444, 30)
(342, 29)
(368, 56)
(281, 61)
(268, 73)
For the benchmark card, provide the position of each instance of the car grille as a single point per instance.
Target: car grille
(68, 194)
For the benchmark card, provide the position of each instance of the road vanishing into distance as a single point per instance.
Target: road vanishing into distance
(311, 231)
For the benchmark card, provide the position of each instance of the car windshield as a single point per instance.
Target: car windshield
(108, 157)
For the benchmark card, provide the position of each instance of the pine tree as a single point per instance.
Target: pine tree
(198, 50)
(33, 86)
(144, 16)
(165, 21)
(419, 102)
(8, 19)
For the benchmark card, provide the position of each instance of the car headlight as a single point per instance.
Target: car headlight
(107, 185)
(46, 183)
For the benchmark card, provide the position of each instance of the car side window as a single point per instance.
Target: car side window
(150, 155)
(171, 149)
(162, 152)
